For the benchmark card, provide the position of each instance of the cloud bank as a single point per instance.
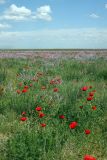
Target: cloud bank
(60, 38)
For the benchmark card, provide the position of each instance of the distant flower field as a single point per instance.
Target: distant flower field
(53, 109)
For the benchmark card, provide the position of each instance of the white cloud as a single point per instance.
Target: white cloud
(106, 5)
(4, 26)
(2, 1)
(59, 38)
(93, 15)
(16, 13)
(23, 13)
(44, 13)
(19, 10)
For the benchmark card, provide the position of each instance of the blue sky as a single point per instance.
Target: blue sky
(53, 24)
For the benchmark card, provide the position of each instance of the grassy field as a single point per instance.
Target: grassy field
(53, 109)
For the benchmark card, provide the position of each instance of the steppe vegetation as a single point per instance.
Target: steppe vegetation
(53, 109)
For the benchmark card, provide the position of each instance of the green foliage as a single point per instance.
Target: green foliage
(35, 144)
(28, 140)
(102, 74)
(2, 75)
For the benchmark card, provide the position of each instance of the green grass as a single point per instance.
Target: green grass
(28, 140)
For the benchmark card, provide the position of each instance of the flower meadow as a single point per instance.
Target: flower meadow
(53, 109)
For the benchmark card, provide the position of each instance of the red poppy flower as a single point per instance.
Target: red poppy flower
(59, 81)
(73, 125)
(31, 85)
(52, 82)
(90, 87)
(55, 89)
(89, 98)
(26, 87)
(23, 118)
(81, 107)
(18, 91)
(88, 157)
(41, 115)
(87, 131)
(20, 84)
(24, 90)
(61, 116)
(23, 113)
(38, 108)
(43, 125)
(84, 88)
(94, 107)
(91, 94)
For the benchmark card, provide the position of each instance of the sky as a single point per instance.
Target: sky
(30, 24)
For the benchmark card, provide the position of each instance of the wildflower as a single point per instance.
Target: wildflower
(90, 87)
(26, 87)
(43, 125)
(94, 107)
(55, 89)
(88, 157)
(81, 107)
(41, 115)
(73, 125)
(38, 108)
(61, 116)
(23, 118)
(89, 98)
(18, 91)
(20, 84)
(31, 85)
(52, 82)
(24, 90)
(23, 113)
(91, 94)
(59, 81)
(84, 88)
(87, 131)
